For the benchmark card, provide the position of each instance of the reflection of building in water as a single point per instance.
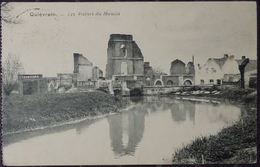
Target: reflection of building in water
(181, 110)
(129, 124)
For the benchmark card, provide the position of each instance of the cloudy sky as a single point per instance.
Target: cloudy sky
(163, 31)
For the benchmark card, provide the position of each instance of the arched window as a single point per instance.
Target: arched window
(124, 68)
(123, 50)
(187, 83)
(218, 81)
(158, 83)
(169, 82)
(202, 81)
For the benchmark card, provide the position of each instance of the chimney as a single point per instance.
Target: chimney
(243, 57)
(225, 55)
(192, 59)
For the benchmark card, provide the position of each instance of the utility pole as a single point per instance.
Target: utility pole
(242, 72)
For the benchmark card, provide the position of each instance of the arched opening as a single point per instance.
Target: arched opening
(124, 68)
(169, 83)
(187, 82)
(158, 82)
(136, 92)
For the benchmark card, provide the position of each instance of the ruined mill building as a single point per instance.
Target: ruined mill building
(124, 57)
(125, 62)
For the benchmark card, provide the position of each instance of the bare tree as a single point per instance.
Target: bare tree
(6, 16)
(12, 66)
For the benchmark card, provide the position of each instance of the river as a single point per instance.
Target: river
(148, 131)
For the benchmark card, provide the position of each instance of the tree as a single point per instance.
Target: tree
(6, 16)
(12, 66)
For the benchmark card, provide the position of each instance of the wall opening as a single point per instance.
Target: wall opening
(124, 68)
(136, 92)
(158, 83)
(169, 82)
(202, 82)
(187, 83)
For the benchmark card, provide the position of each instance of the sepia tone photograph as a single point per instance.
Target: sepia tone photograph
(129, 83)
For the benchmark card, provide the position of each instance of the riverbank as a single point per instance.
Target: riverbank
(234, 144)
(231, 94)
(23, 113)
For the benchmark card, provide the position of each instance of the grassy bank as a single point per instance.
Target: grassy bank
(234, 144)
(232, 94)
(33, 111)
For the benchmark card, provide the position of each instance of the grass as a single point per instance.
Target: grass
(236, 94)
(32, 111)
(234, 144)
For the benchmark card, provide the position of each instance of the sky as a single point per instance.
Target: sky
(164, 31)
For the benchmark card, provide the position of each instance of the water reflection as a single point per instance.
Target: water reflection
(149, 130)
(126, 130)
(181, 111)
(79, 128)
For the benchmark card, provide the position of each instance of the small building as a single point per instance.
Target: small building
(82, 67)
(224, 70)
(190, 69)
(149, 74)
(180, 74)
(66, 79)
(29, 84)
(101, 74)
(177, 67)
(211, 72)
(95, 73)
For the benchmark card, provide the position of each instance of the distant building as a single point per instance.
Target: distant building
(180, 74)
(101, 73)
(149, 74)
(211, 72)
(224, 70)
(66, 79)
(190, 69)
(124, 57)
(96, 73)
(82, 67)
(29, 84)
(177, 67)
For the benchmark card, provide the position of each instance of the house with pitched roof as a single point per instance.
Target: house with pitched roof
(217, 71)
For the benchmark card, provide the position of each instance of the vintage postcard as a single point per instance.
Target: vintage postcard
(121, 83)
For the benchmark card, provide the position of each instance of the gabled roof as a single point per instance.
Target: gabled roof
(252, 65)
(177, 61)
(220, 61)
